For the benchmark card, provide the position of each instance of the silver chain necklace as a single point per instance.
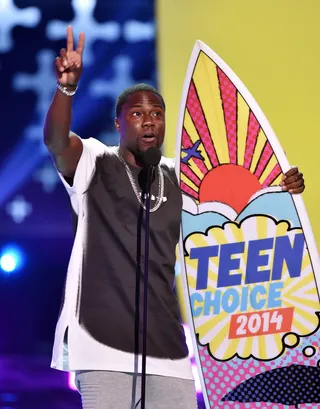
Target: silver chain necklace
(138, 192)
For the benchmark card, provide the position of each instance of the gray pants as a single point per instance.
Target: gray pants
(117, 390)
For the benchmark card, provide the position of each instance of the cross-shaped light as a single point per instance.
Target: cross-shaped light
(41, 83)
(48, 178)
(135, 31)
(84, 21)
(19, 209)
(10, 16)
(34, 132)
(122, 79)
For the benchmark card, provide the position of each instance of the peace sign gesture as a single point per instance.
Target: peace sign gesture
(68, 66)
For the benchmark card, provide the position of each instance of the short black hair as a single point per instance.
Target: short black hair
(131, 90)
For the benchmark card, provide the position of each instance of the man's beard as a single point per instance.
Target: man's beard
(137, 153)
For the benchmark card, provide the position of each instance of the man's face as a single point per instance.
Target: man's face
(142, 122)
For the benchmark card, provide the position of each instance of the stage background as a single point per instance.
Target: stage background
(35, 220)
(273, 47)
(35, 213)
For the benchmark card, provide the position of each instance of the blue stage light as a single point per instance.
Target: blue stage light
(11, 259)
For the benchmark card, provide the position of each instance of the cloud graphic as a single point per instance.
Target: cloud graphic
(250, 283)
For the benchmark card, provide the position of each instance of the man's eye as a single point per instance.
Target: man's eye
(157, 113)
(136, 113)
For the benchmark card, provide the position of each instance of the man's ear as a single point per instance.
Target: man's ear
(117, 124)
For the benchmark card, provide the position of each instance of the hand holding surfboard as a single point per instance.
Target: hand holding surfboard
(292, 181)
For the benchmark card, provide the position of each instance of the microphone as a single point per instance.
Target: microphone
(150, 158)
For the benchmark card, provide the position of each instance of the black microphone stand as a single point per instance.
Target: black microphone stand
(150, 169)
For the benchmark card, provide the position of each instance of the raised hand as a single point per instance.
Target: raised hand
(68, 66)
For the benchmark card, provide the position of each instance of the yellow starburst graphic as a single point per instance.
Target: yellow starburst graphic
(250, 284)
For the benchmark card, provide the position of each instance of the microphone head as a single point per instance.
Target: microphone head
(151, 156)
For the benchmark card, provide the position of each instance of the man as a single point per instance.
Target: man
(98, 334)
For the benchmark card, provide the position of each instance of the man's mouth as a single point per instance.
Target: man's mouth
(149, 137)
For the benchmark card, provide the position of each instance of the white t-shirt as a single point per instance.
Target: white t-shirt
(93, 315)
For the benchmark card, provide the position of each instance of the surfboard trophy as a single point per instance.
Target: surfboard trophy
(249, 264)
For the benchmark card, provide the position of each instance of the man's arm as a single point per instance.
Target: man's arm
(65, 146)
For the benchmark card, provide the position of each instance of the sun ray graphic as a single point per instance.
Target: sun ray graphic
(226, 156)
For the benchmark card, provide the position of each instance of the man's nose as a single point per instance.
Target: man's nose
(148, 120)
